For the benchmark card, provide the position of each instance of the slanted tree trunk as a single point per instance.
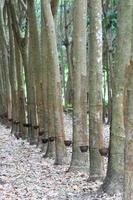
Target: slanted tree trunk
(95, 90)
(115, 173)
(54, 65)
(80, 137)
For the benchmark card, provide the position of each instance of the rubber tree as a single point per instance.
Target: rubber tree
(43, 132)
(128, 175)
(31, 71)
(13, 78)
(115, 173)
(48, 95)
(60, 150)
(35, 56)
(4, 63)
(22, 42)
(21, 93)
(67, 34)
(17, 14)
(80, 137)
(95, 90)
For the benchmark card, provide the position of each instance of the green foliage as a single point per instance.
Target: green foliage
(111, 19)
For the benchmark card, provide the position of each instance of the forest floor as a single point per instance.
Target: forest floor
(25, 175)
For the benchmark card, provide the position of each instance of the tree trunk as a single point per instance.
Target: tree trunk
(4, 60)
(115, 172)
(21, 93)
(80, 137)
(95, 90)
(54, 64)
(128, 175)
(12, 76)
(31, 69)
(128, 178)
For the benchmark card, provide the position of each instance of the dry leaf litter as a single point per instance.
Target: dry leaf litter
(25, 175)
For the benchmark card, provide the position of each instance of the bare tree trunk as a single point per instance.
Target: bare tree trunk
(115, 174)
(128, 178)
(95, 90)
(128, 175)
(31, 69)
(12, 75)
(54, 64)
(4, 60)
(43, 131)
(80, 137)
(21, 93)
(69, 84)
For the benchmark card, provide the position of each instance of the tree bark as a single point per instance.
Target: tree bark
(115, 173)
(80, 137)
(54, 64)
(128, 175)
(95, 90)
(31, 69)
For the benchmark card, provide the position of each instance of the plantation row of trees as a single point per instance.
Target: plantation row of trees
(72, 55)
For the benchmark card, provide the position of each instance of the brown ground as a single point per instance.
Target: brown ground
(25, 175)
